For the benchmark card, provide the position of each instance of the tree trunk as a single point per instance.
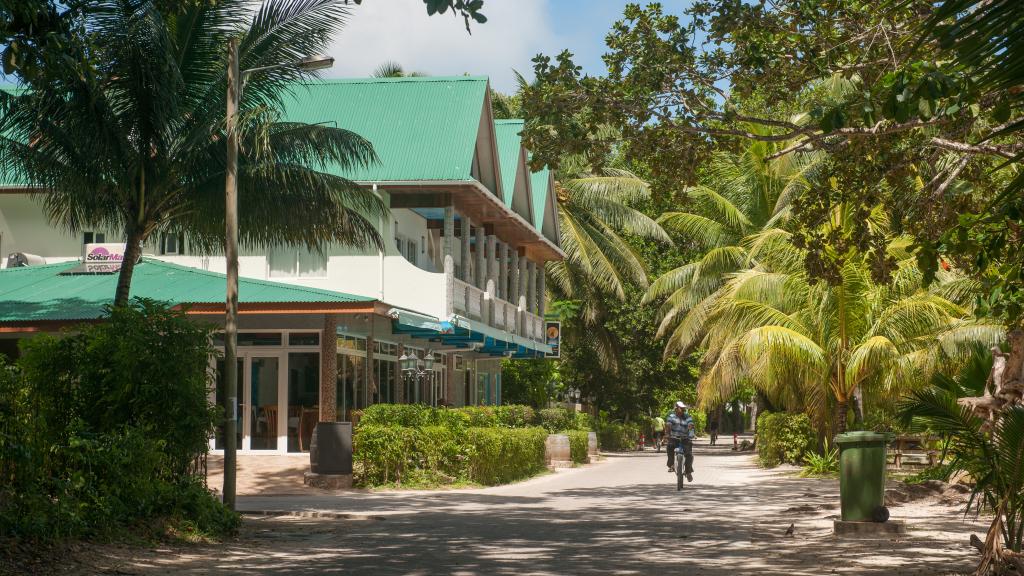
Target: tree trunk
(858, 407)
(132, 251)
(842, 406)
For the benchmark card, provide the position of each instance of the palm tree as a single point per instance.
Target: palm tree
(596, 215)
(761, 320)
(992, 453)
(392, 69)
(137, 141)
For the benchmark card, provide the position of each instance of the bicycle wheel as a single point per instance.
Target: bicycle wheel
(680, 479)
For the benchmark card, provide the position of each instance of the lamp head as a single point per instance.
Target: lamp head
(315, 62)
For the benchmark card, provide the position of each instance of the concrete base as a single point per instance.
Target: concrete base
(560, 464)
(328, 481)
(869, 529)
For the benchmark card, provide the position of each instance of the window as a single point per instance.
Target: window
(93, 237)
(296, 262)
(251, 339)
(171, 244)
(304, 339)
(351, 343)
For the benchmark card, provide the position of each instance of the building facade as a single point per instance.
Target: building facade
(459, 282)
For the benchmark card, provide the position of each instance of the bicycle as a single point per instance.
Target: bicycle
(680, 466)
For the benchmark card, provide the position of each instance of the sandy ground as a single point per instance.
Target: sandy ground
(620, 516)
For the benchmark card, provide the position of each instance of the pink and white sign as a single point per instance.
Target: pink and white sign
(103, 257)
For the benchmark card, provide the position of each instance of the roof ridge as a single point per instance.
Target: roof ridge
(399, 80)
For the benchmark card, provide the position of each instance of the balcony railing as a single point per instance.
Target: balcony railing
(472, 302)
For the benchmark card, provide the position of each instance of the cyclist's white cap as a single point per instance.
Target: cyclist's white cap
(681, 404)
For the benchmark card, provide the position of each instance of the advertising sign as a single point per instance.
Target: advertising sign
(553, 331)
(103, 258)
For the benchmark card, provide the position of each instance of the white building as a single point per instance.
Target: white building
(461, 278)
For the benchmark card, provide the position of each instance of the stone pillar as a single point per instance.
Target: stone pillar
(466, 277)
(329, 369)
(531, 288)
(480, 273)
(521, 296)
(513, 271)
(491, 280)
(541, 290)
(503, 271)
(449, 395)
(448, 260)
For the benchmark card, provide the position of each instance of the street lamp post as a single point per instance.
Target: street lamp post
(410, 365)
(236, 81)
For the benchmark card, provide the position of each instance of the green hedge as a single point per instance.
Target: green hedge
(505, 416)
(502, 455)
(443, 455)
(783, 438)
(616, 437)
(578, 445)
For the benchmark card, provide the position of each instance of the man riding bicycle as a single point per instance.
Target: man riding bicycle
(679, 429)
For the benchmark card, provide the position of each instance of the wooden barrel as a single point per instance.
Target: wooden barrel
(592, 443)
(556, 448)
(330, 450)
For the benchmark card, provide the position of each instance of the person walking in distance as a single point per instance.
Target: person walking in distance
(713, 430)
(679, 429)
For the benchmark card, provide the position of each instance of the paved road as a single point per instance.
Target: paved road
(620, 516)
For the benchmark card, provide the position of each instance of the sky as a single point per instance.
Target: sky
(516, 31)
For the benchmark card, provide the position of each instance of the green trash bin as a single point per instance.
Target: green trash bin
(862, 475)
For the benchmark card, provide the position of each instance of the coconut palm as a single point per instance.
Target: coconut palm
(392, 69)
(806, 344)
(992, 453)
(137, 142)
(747, 193)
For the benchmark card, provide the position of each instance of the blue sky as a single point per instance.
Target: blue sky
(400, 30)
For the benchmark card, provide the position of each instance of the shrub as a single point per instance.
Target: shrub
(616, 437)
(783, 438)
(514, 416)
(578, 445)
(99, 429)
(404, 415)
(501, 455)
(479, 416)
(825, 464)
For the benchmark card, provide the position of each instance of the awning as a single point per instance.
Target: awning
(461, 332)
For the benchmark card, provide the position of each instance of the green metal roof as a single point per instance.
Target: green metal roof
(39, 293)
(539, 182)
(507, 133)
(421, 128)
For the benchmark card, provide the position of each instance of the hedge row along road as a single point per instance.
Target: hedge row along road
(619, 516)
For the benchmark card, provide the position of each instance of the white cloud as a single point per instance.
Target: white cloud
(401, 31)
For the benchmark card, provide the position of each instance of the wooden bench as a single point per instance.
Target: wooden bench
(911, 451)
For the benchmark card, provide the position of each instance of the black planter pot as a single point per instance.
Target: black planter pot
(330, 450)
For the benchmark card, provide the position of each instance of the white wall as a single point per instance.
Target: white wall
(364, 272)
(23, 228)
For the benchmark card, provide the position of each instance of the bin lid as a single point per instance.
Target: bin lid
(863, 436)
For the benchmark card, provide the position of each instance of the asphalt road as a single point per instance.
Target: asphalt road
(620, 516)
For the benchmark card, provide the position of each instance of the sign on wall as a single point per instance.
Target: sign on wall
(103, 258)
(553, 330)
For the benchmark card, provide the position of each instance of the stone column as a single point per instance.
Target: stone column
(466, 277)
(448, 260)
(513, 271)
(329, 369)
(479, 276)
(522, 293)
(531, 288)
(541, 290)
(503, 270)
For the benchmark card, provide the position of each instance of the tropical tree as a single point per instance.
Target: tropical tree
(991, 452)
(762, 320)
(392, 69)
(134, 139)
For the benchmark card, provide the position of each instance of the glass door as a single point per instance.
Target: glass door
(239, 421)
(264, 405)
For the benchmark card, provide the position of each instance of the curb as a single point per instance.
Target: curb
(311, 514)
